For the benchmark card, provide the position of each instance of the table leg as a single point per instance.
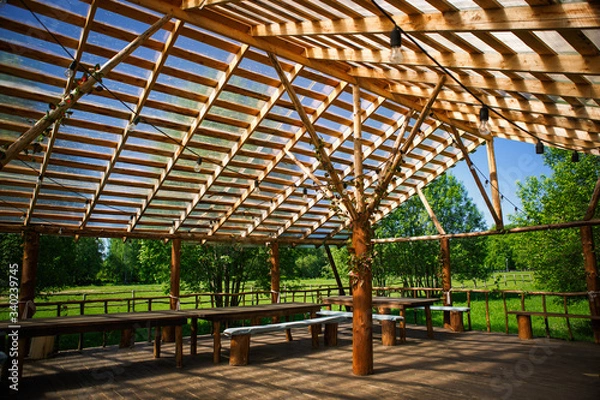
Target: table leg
(217, 342)
(157, 339)
(429, 322)
(194, 337)
(179, 346)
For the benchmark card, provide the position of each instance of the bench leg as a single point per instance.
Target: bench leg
(388, 333)
(179, 346)
(194, 337)
(524, 324)
(456, 321)
(240, 347)
(127, 338)
(216, 342)
(330, 336)
(314, 332)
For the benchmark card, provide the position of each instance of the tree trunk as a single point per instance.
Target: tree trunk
(362, 299)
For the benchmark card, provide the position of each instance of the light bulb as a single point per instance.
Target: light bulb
(70, 71)
(484, 117)
(396, 46)
(198, 165)
(484, 128)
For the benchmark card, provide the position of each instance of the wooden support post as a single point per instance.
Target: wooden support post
(338, 280)
(362, 299)
(194, 336)
(592, 278)
(217, 342)
(168, 334)
(446, 278)
(179, 346)
(524, 327)
(496, 201)
(31, 250)
(275, 273)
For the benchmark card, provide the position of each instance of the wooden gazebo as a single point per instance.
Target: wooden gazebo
(282, 122)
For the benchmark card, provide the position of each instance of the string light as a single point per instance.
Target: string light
(484, 116)
(70, 71)
(305, 193)
(575, 157)
(133, 123)
(396, 45)
(198, 165)
(539, 147)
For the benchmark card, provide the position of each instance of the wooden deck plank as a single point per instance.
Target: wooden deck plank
(471, 365)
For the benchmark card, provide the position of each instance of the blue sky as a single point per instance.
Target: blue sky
(515, 162)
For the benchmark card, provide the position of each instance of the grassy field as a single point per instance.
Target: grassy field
(513, 281)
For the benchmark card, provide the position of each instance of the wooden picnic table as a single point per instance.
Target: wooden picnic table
(391, 302)
(34, 327)
(219, 315)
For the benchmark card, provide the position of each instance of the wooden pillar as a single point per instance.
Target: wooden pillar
(275, 272)
(446, 277)
(31, 251)
(496, 201)
(362, 298)
(168, 333)
(592, 278)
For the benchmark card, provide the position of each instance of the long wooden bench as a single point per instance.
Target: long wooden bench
(388, 325)
(240, 336)
(454, 321)
(525, 329)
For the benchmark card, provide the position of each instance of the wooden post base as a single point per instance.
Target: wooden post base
(388, 333)
(524, 325)
(240, 347)
(453, 320)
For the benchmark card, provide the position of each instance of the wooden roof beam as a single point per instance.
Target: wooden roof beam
(52, 139)
(432, 215)
(549, 64)
(591, 210)
(68, 102)
(316, 141)
(547, 17)
(230, 156)
(381, 188)
(121, 144)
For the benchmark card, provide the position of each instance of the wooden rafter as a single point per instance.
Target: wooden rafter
(382, 186)
(547, 17)
(591, 210)
(430, 212)
(316, 141)
(70, 100)
(202, 114)
(52, 138)
(150, 83)
(465, 152)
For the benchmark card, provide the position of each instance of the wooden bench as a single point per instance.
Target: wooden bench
(454, 321)
(388, 325)
(524, 320)
(240, 336)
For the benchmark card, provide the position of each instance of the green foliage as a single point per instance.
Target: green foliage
(121, 264)
(418, 262)
(556, 255)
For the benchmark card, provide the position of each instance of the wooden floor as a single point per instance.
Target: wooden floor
(454, 366)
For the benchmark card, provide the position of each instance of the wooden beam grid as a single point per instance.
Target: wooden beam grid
(550, 92)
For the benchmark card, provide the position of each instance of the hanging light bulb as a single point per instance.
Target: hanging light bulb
(575, 157)
(484, 117)
(256, 185)
(133, 123)
(396, 45)
(539, 147)
(69, 72)
(198, 166)
(304, 193)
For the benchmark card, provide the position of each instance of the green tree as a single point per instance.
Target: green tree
(418, 262)
(556, 255)
(122, 263)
